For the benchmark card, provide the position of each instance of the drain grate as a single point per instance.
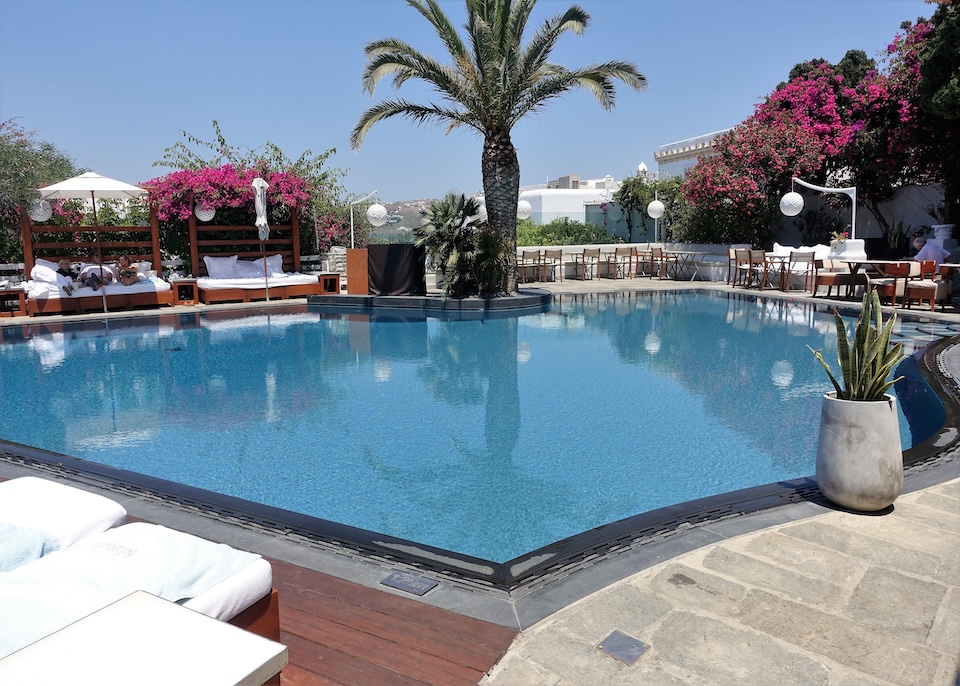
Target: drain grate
(623, 647)
(411, 583)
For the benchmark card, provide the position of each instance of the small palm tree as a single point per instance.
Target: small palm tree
(493, 82)
(468, 255)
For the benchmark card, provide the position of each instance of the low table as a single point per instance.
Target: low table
(144, 640)
(185, 292)
(13, 302)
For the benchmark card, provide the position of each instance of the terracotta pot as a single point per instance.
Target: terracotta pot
(859, 460)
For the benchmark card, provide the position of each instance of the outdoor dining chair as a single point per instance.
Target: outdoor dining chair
(661, 261)
(889, 285)
(587, 262)
(552, 260)
(529, 264)
(931, 287)
(620, 263)
(801, 264)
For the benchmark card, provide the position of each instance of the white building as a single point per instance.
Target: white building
(673, 159)
(567, 197)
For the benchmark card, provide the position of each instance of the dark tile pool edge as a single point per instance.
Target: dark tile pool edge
(528, 299)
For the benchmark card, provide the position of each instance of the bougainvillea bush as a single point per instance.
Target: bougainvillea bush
(174, 195)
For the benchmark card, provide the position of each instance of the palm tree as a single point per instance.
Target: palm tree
(493, 82)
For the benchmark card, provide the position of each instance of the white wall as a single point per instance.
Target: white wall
(551, 203)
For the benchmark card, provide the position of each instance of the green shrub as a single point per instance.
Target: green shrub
(561, 231)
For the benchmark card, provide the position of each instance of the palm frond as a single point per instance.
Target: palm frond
(420, 114)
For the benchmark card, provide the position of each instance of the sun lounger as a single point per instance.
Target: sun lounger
(60, 588)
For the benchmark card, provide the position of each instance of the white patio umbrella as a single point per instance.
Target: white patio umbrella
(95, 187)
(260, 205)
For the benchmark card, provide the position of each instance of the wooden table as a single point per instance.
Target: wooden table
(144, 640)
(686, 258)
(185, 292)
(13, 302)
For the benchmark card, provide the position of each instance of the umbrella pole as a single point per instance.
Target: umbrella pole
(96, 233)
(266, 275)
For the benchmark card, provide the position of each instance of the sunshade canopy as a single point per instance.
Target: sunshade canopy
(90, 184)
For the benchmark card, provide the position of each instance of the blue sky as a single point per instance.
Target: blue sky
(113, 83)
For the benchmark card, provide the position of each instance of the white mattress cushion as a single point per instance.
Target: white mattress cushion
(63, 587)
(68, 513)
(289, 279)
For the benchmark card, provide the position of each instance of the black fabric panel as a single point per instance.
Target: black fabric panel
(396, 269)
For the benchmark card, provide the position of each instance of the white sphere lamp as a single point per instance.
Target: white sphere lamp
(524, 209)
(791, 204)
(655, 209)
(651, 343)
(377, 214)
(205, 212)
(39, 210)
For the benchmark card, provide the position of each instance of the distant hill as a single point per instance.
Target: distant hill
(405, 213)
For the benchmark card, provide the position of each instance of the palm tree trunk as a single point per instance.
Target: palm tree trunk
(501, 190)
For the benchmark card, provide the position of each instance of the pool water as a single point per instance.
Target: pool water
(490, 438)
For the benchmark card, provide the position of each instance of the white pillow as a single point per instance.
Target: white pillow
(220, 267)
(274, 264)
(143, 267)
(247, 269)
(43, 273)
(40, 262)
(95, 269)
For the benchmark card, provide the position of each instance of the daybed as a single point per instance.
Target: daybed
(99, 563)
(43, 246)
(229, 263)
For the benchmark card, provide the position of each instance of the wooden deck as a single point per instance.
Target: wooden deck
(338, 632)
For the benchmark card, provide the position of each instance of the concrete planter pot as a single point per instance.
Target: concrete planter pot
(859, 461)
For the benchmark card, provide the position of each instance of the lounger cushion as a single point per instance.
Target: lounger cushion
(221, 267)
(63, 514)
(40, 262)
(245, 269)
(65, 586)
(44, 274)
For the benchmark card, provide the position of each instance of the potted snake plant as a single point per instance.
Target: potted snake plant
(859, 460)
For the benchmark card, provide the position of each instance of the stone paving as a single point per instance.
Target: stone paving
(839, 599)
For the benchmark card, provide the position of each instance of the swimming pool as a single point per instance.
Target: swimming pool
(489, 437)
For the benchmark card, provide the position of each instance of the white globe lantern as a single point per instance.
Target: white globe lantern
(377, 214)
(651, 343)
(791, 204)
(524, 209)
(781, 374)
(655, 209)
(39, 210)
(205, 212)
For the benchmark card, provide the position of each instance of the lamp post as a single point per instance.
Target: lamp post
(791, 203)
(655, 208)
(376, 214)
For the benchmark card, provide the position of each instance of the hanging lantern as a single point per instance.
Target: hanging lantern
(39, 210)
(655, 209)
(377, 214)
(524, 209)
(791, 204)
(205, 212)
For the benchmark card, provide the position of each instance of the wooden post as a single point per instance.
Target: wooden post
(155, 240)
(357, 279)
(295, 225)
(194, 253)
(25, 227)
